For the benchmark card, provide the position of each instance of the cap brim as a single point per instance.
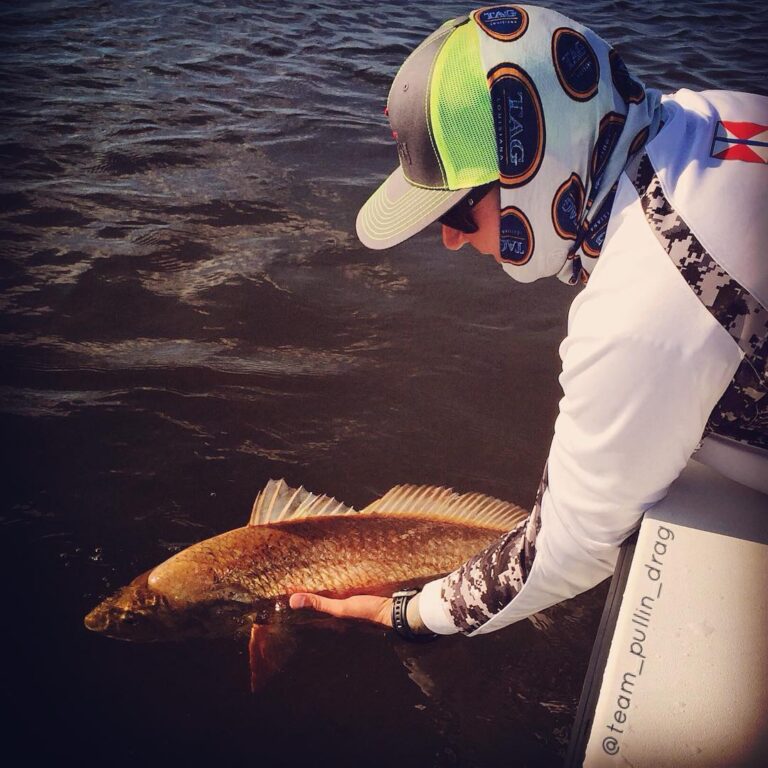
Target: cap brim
(398, 210)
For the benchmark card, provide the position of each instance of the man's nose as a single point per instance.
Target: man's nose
(452, 238)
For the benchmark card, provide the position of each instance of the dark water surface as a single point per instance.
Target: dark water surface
(186, 313)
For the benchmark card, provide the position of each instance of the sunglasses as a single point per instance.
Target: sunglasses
(460, 216)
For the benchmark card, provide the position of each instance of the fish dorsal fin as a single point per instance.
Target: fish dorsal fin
(278, 501)
(445, 503)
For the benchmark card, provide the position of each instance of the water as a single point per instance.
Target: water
(186, 313)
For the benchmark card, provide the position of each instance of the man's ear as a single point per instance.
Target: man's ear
(452, 238)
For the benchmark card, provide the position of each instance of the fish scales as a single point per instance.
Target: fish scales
(331, 555)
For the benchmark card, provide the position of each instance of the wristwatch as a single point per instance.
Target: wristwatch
(400, 624)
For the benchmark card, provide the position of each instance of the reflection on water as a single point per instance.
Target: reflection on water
(186, 313)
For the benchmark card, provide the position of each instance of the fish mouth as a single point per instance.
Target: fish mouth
(96, 621)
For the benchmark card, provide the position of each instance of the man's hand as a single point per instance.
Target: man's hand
(366, 607)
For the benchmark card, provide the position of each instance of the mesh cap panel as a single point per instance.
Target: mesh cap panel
(460, 109)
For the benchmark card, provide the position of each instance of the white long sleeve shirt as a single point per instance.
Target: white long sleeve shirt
(644, 361)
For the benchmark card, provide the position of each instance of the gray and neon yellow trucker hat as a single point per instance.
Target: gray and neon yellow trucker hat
(439, 108)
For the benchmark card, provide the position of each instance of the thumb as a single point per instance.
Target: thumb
(334, 607)
(318, 603)
(302, 600)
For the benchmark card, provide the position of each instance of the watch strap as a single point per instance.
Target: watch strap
(400, 600)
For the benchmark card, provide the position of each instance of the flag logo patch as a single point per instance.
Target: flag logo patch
(747, 142)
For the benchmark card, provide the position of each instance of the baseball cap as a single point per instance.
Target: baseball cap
(439, 108)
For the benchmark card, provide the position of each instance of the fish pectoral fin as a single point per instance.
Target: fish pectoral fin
(269, 647)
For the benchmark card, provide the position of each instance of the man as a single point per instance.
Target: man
(524, 134)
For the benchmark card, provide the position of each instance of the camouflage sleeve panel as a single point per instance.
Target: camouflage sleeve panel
(487, 582)
(742, 412)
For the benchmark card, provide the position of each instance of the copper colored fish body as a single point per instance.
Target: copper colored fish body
(300, 542)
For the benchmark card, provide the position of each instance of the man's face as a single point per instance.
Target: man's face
(486, 239)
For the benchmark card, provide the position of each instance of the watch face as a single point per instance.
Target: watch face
(405, 593)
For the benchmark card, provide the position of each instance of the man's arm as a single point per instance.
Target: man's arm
(633, 412)
(632, 415)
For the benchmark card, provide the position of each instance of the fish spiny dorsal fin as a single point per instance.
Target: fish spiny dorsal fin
(278, 501)
(275, 499)
(446, 504)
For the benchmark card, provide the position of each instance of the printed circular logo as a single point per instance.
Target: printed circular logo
(502, 22)
(518, 120)
(608, 135)
(567, 207)
(516, 237)
(629, 89)
(575, 63)
(595, 237)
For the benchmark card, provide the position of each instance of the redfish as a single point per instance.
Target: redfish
(296, 541)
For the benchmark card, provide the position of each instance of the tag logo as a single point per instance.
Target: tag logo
(629, 89)
(747, 142)
(595, 237)
(567, 207)
(516, 237)
(502, 22)
(518, 120)
(611, 127)
(575, 63)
